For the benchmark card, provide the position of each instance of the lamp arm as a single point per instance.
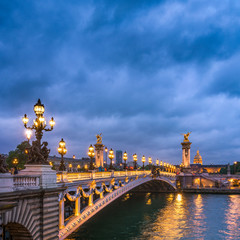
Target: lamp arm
(48, 129)
(29, 128)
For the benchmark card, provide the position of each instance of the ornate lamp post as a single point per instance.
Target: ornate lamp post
(161, 165)
(150, 162)
(38, 153)
(135, 160)
(106, 150)
(234, 167)
(70, 167)
(91, 154)
(15, 162)
(125, 157)
(143, 161)
(62, 150)
(157, 162)
(111, 156)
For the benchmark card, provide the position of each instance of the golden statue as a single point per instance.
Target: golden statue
(99, 138)
(186, 136)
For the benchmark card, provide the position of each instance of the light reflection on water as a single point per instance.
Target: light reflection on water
(232, 216)
(166, 217)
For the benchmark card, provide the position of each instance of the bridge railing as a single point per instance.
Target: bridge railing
(71, 177)
(25, 182)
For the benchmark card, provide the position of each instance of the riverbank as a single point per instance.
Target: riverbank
(212, 190)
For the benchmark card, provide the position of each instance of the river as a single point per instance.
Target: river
(165, 216)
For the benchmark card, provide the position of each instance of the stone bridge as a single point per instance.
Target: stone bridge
(30, 210)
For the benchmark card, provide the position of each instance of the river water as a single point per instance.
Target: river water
(165, 216)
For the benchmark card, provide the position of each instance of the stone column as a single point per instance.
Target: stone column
(99, 154)
(186, 145)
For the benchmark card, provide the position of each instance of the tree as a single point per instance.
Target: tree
(20, 154)
(223, 170)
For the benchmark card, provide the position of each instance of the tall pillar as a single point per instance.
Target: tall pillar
(186, 154)
(186, 145)
(99, 154)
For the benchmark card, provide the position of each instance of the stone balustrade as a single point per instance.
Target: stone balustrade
(25, 182)
(33, 180)
(71, 177)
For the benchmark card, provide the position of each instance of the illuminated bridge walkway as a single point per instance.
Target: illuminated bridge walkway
(30, 211)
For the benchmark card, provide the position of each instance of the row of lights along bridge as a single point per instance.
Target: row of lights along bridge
(39, 151)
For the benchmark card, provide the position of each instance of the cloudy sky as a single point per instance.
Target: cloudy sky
(140, 72)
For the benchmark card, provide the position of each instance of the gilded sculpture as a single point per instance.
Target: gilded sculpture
(186, 136)
(99, 138)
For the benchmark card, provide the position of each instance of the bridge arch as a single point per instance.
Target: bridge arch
(98, 205)
(18, 231)
(21, 220)
(155, 185)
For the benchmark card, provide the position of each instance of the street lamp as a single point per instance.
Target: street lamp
(135, 160)
(28, 134)
(70, 167)
(74, 156)
(111, 156)
(150, 161)
(143, 161)
(62, 150)
(15, 161)
(125, 157)
(91, 154)
(39, 126)
(106, 150)
(157, 162)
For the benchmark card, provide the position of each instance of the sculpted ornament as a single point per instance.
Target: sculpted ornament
(3, 168)
(99, 138)
(38, 154)
(186, 136)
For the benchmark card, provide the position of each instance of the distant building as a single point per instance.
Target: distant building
(71, 164)
(118, 157)
(198, 168)
(197, 158)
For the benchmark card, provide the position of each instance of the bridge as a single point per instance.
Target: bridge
(39, 203)
(32, 209)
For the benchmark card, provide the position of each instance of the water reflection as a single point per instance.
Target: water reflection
(199, 222)
(232, 217)
(166, 217)
(170, 221)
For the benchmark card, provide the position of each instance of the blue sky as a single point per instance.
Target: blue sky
(140, 72)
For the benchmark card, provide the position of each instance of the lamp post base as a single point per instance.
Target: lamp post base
(48, 177)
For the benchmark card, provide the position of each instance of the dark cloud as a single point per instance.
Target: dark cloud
(141, 72)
